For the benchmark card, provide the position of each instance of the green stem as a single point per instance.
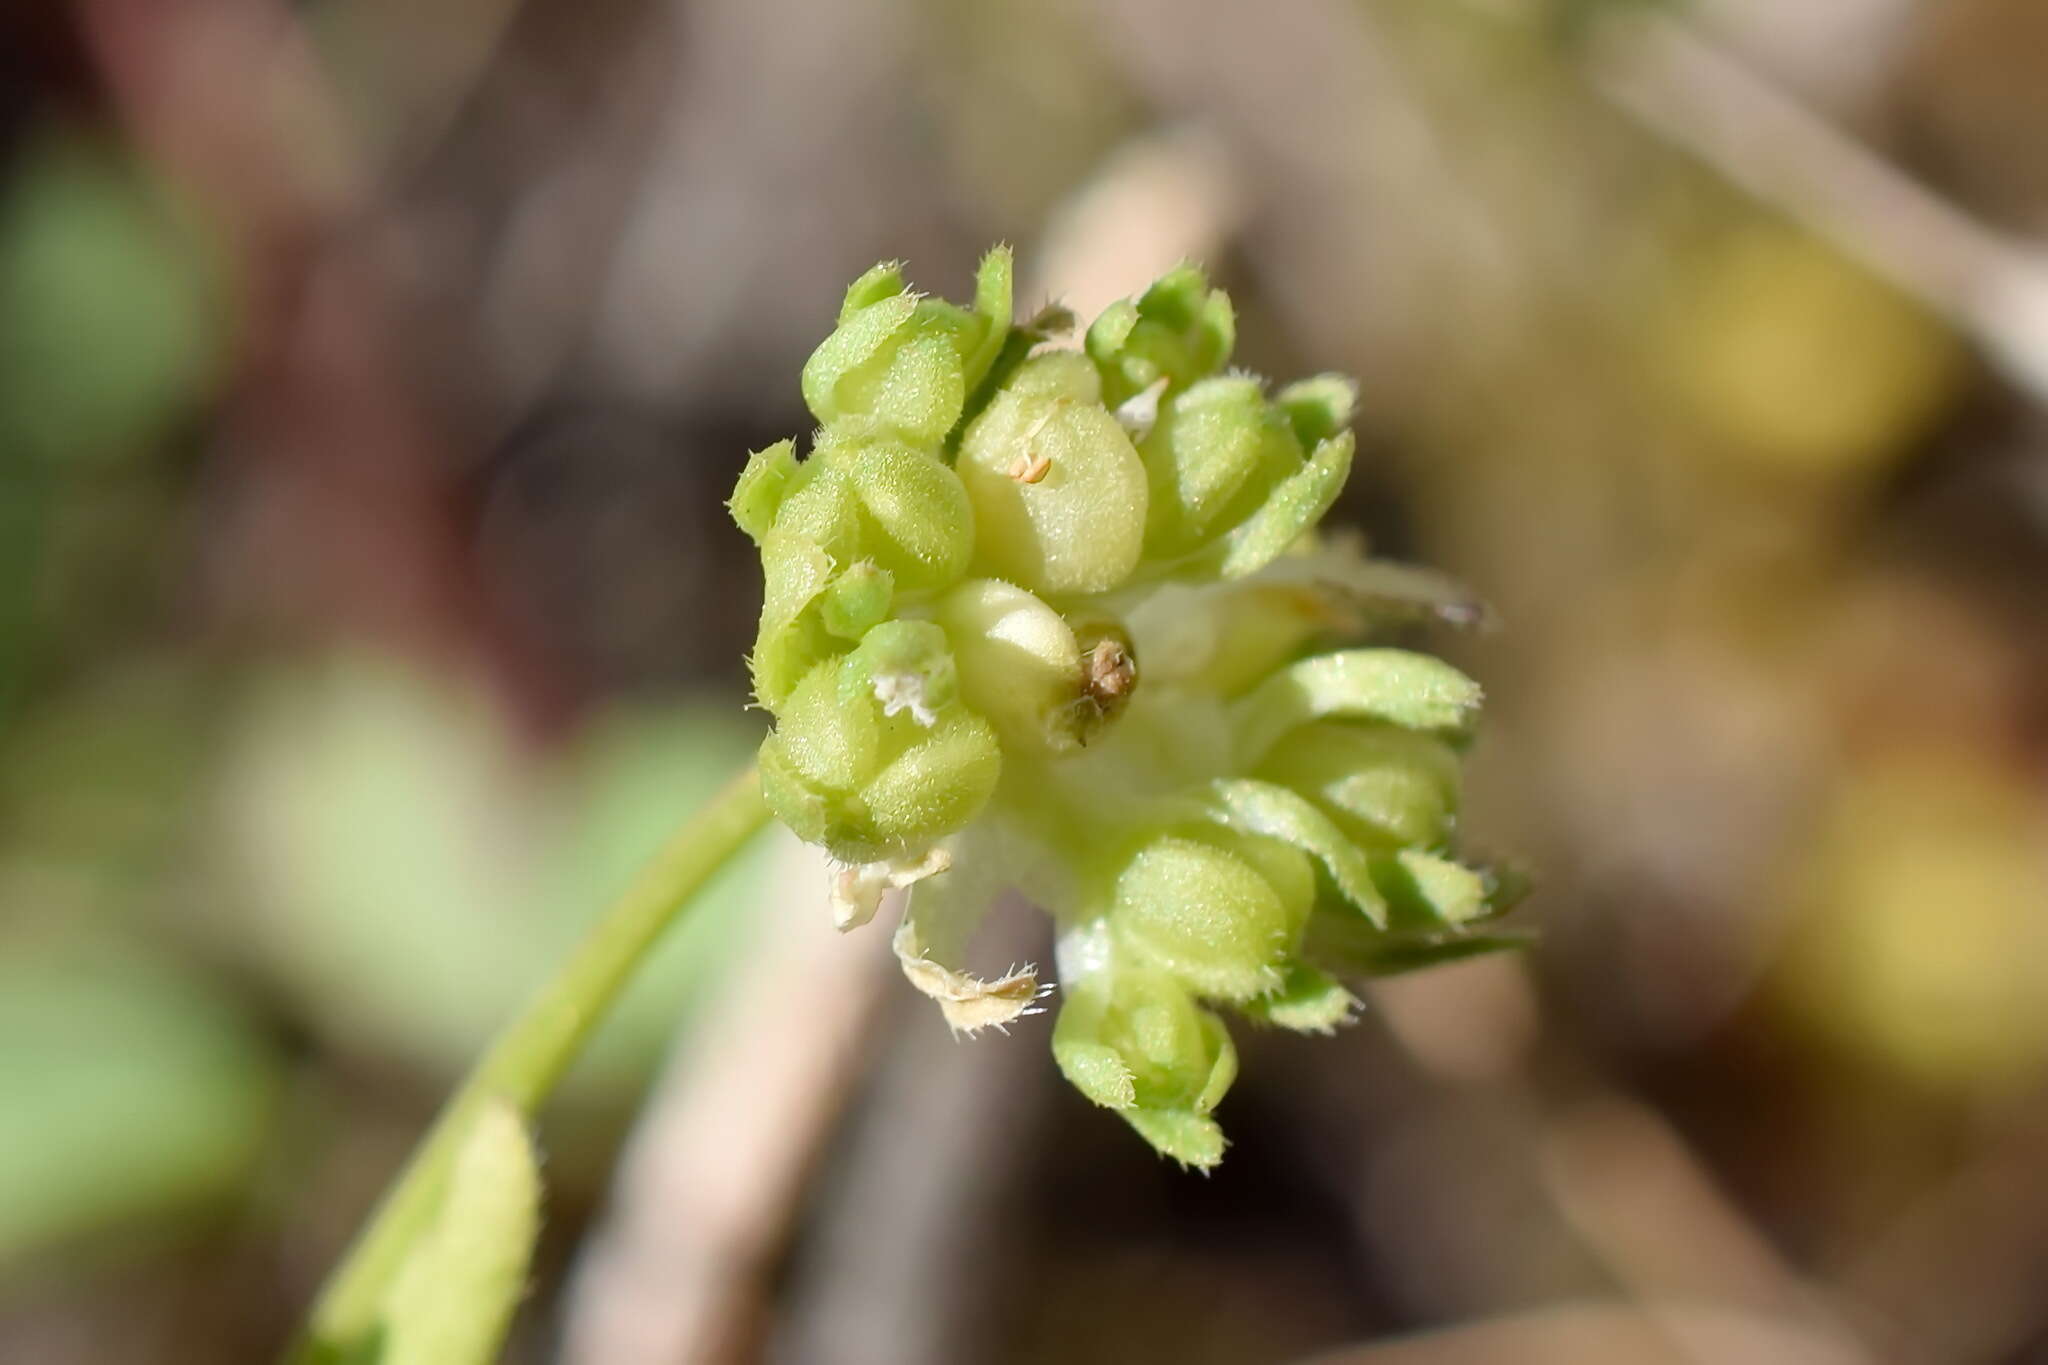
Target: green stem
(527, 1058)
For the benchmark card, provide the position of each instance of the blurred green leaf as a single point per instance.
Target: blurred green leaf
(455, 1294)
(110, 320)
(130, 1091)
(413, 872)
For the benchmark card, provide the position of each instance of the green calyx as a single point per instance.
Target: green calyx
(1054, 620)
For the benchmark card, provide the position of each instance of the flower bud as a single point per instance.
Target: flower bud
(1058, 491)
(857, 601)
(1203, 910)
(1385, 787)
(1135, 1041)
(1179, 330)
(932, 788)
(904, 364)
(872, 756)
(907, 666)
(913, 518)
(1216, 453)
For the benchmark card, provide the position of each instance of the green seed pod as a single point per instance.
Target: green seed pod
(1197, 907)
(1135, 1041)
(1385, 787)
(1057, 489)
(1179, 330)
(1214, 456)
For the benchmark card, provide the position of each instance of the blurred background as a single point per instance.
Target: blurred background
(370, 377)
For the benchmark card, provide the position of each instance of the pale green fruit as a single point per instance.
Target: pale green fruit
(1057, 489)
(1019, 664)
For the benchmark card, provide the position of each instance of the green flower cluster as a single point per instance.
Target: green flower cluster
(1055, 622)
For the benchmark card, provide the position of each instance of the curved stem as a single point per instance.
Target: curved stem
(528, 1057)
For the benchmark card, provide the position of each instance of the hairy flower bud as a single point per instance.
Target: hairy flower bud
(1214, 456)
(1198, 909)
(1135, 1041)
(1175, 332)
(872, 755)
(905, 364)
(912, 513)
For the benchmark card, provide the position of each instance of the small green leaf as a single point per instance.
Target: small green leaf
(858, 339)
(454, 1296)
(1384, 786)
(1319, 407)
(879, 282)
(1094, 1069)
(1252, 807)
(763, 485)
(1424, 891)
(1393, 686)
(1296, 505)
(1191, 1139)
(992, 303)
(1309, 1001)
(1398, 955)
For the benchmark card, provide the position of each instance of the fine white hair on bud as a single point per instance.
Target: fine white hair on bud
(1055, 626)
